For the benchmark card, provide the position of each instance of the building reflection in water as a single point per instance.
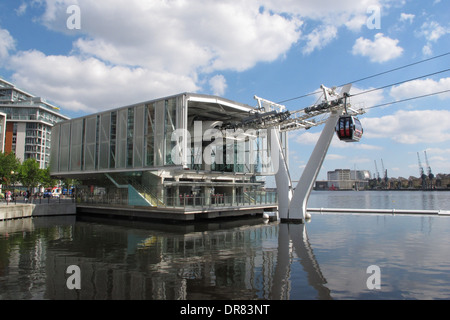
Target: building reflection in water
(137, 260)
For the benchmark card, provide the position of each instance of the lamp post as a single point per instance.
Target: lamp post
(13, 183)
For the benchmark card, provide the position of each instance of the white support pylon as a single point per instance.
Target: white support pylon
(297, 207)
(292, 204)
(282, 177)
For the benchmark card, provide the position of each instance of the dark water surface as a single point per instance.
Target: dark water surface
(326, 258)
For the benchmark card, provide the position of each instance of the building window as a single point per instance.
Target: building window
(169, 127)
(112, 145)
(130, 134)
(150, 135)
(90, 143)
(104, 149)
(139, 126)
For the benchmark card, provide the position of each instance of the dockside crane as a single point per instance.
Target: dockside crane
(385, 177)
(429, 173)
(376, 171)
(423, 176)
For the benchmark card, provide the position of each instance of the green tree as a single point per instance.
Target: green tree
(30, 175)
(9, 166)
(47, 181)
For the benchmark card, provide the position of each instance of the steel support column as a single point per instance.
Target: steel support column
(298, 204)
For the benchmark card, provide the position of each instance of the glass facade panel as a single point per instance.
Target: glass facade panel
(76, 145)
(90, 143)
(105, 130)
(64, 147)
(54, 150)
(159, 132)
(150, 135)
(239, 160)
(251, 152)
(264, 158)
(121, 154)
(112, 144)
(169, 127)
(138, 147)
(130, 137)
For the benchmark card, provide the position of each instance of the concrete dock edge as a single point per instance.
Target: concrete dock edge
(26, 210)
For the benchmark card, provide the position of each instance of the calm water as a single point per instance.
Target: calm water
(246, 259)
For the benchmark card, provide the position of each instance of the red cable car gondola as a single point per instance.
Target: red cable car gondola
(349, 129)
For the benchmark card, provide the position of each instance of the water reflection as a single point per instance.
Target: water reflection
(243, 259)
(292, 239)
(136, 260)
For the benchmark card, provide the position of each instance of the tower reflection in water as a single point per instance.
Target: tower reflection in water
(293, 239)
(138, 260)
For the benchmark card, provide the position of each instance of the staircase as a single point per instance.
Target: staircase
(131, 182)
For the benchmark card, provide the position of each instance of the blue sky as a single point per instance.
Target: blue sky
(123, 52)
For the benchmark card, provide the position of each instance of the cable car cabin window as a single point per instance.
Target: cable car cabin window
(349, 129)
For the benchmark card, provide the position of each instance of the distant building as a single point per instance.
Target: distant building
(2, 131)
(345, 179)
(26, 122)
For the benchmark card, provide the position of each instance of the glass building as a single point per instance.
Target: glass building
(29, 120)
(178, 151)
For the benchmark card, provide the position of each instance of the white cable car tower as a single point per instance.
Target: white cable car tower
(292, 202)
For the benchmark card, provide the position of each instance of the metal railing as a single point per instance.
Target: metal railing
(120, 197)
(35, 199)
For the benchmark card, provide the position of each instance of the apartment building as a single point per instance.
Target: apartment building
(26, 122)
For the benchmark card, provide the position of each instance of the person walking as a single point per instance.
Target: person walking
(8, 197)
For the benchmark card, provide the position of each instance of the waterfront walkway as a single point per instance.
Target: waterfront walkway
(68, 206)
(181, 214)
(20, 208)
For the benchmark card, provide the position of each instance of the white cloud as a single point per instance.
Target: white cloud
(204, 34)
(432, 31)
(332, 156)
(439, 159)
(421, 87)
(365, 100)
(22, 9)
(306, 138)
(349, 13)
(427, 50)
(437, 151)
(407, 17)
(89, 84)
(319, 38)
(356, 22)
(7, 44)
(410, 127)
(218, 84)
(179, 36)
(149, 49)
(380, 50)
